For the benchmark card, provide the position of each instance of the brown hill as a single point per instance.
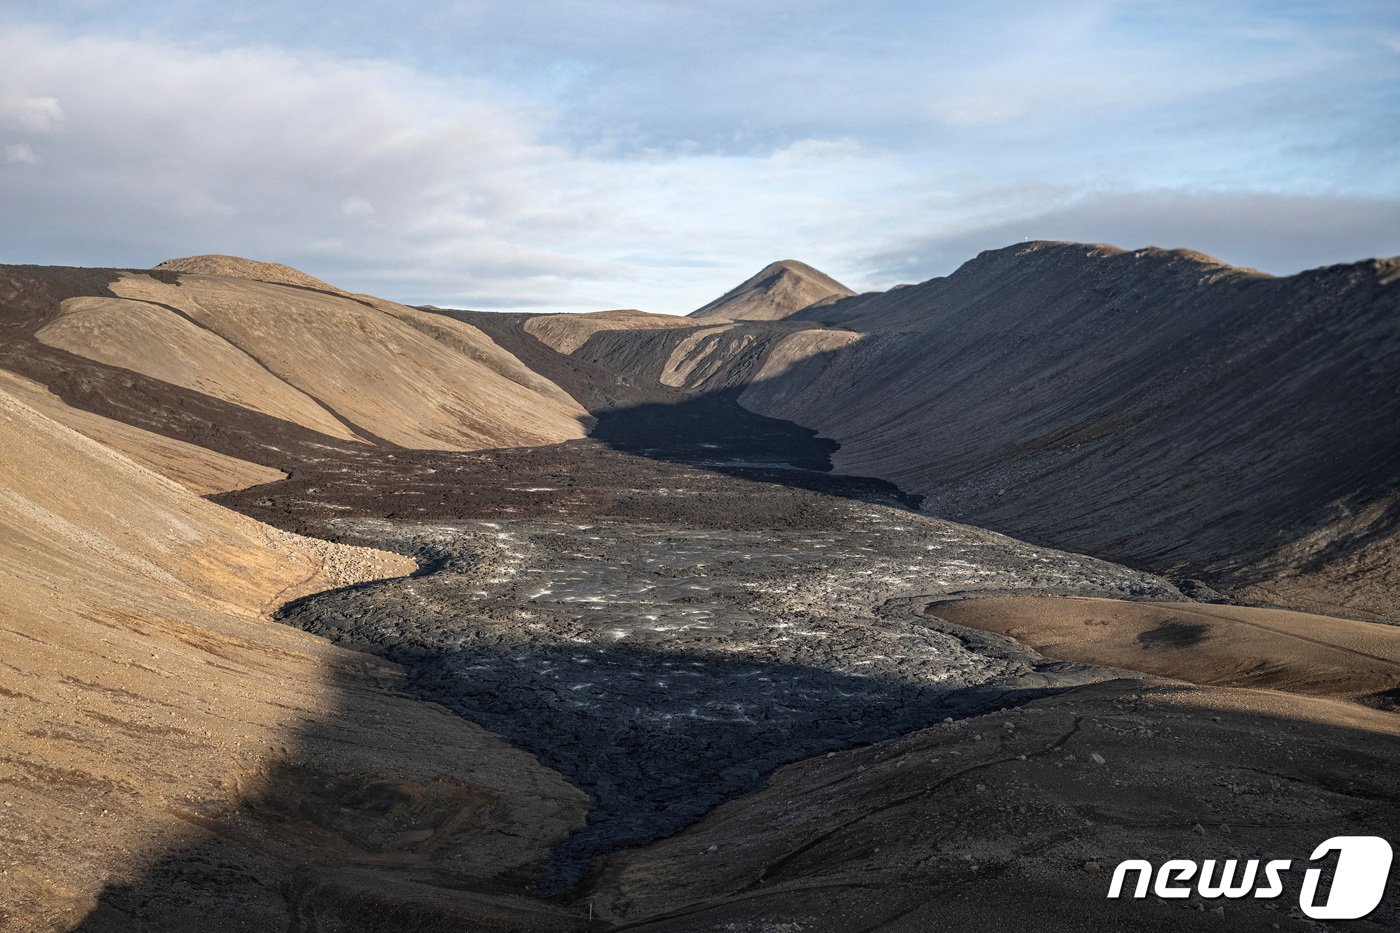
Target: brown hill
(235, 267)
(779, 290)
(565, 333)
(1201, 643)
(148, 700)
(250, 367)
(198, 469)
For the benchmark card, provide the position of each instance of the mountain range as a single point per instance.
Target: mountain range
(638, 620)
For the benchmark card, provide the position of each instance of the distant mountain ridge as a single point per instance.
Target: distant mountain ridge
(778, 290)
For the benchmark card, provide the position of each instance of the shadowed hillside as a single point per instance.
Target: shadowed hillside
(1155, 407)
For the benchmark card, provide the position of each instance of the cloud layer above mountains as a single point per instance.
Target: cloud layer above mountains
(582, 156)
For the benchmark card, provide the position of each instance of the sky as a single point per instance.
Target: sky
(576, 156)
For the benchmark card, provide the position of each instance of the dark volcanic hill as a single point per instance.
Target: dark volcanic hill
(1156, 406)
(779, 290)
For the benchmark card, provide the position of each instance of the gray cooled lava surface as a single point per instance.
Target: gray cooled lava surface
(665, 635)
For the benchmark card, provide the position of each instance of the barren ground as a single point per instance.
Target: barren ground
(679, 676)
(737, 661)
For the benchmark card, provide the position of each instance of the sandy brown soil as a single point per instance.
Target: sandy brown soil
(1200, 643)
(148, 339)
(148, 707)
(346, 367)
(565, 333)
(236, 267)
(198, 469)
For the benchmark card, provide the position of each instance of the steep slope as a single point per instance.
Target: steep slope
(779, 290)
(198, 469)
(1154, 406)
(148, 705)
(616, 358)
(252, 368)
(143, 336)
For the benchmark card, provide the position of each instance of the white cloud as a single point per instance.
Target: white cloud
(356, 206)
(169, 150)
(819, 150)
(614, 165)
(36, 115)
(21, 154)
(976, 109)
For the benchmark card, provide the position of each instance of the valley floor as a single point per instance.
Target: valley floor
(670, 660)
(747, 670)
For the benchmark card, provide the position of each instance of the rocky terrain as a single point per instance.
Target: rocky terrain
(1016, 819)
(1153, 407)
(666, 633)
(664, 660)
(428, 657)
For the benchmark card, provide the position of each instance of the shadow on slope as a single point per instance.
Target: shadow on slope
(881, 837)
(713, 431)
(387, 814)
(1014, 821)
(381, 813)
(709, 429)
